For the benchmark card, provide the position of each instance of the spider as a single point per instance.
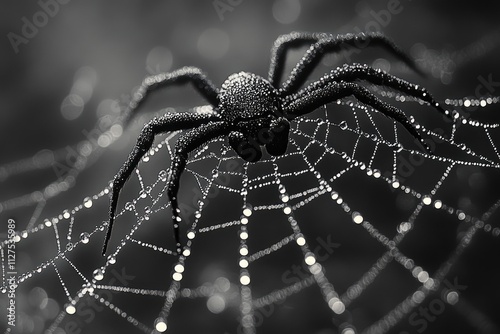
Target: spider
(252, 111)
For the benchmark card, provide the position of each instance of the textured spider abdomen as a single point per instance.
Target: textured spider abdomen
(246, 96)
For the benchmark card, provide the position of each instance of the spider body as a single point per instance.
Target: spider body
(245, 96)
(252, 111)
(251, 108)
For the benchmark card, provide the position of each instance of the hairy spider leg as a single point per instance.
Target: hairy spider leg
(355, 72)
(185, 144)
(182, 75)
(314, 54)
(278, 143)
(145, 140)
(309, 99)
(282, 44)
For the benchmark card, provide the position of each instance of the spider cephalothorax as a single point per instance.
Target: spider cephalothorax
(253, 112)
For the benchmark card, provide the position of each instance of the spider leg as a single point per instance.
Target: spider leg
(313, 56)
(248, 150)
(310, 98)
(170, 122)
(185, 144)
(279, 139)
(355, 72)
(282, 44)
(185, 74)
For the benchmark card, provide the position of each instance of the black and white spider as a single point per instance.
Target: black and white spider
(252, 111)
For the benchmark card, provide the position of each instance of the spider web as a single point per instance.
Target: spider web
(355, 219)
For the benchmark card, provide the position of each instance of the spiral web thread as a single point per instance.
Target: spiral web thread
(319, 130)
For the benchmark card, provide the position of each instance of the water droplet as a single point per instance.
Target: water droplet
(129, 206)
(243, 263)
(301, 241)
(111, 259)
(452, 297)
(85, 237)
(179, 268)
(69, 246)
(310, 259)
(245, 279)
(215, 173)
(244, 250)
(427, 200)
(98, 274)
(343, 125)
(247, 210)
(163, 175)
(160, 325)
(357, 218)
(70, 309)
(336, 305)
(87, 202)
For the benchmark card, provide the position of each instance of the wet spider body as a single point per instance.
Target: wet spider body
(252, 111)
(251, 108)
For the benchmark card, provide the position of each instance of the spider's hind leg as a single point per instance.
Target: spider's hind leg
(351, 73)
(314, 96)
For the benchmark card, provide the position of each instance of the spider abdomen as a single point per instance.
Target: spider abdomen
(247, 96)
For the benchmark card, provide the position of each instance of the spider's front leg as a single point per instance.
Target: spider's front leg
(180, 76)
(145, 140)
(185, 144)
